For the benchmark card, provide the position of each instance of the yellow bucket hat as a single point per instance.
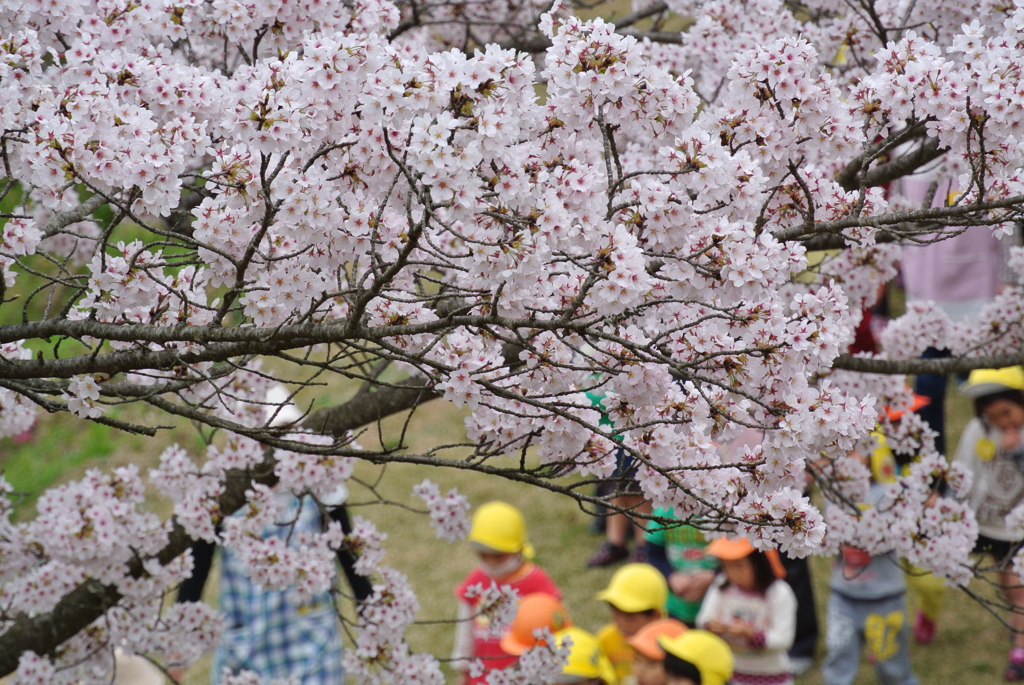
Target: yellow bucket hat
(983, 382)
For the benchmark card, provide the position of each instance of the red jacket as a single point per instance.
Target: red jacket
(528, 579)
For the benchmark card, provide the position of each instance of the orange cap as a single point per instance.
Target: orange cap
(897, 414)
(730, 550)
(537, 610)
(646, 639)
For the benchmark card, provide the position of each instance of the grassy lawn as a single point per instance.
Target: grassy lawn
(970, 645)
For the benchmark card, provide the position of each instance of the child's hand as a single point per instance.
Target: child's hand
(716, 627)
(699, 583)
(741, 630)
(1010, 439)
(679, 583)
(691, 586)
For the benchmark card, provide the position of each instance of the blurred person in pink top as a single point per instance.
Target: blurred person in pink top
(960, 275)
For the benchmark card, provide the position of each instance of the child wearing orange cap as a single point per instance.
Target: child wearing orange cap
(649, 660)
(927, 590)
(498, 536)
(754, 610)
(536, 611)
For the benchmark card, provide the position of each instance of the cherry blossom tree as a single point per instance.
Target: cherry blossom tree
(495, 204)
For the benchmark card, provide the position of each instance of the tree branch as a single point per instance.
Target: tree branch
(539, 43)
(923, 366)
(940, 215)
(44, 633)
(882, 174)
(62, 219)
(366, 408)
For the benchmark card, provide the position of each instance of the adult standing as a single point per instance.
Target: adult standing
(270, 631)
(960, 274)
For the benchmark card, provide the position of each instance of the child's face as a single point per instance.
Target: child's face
(499, 564)
(648, 671)
(1004, 415)
(739, 572)
(629, 624)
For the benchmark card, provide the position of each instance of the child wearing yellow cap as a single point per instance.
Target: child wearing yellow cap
(697, 657)
(753, 609)
(587, 663)
(649, 660)
(498, 536)
(992, 449)
(636, 596)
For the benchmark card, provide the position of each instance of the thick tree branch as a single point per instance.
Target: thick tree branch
(932, 366)
(366, 408)
(849, 178)
(964, 214)
(218, 344)
(79, 213)
(901, 166)
(44, 633)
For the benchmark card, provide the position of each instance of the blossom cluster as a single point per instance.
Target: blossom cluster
(448, 513)
(927, 534)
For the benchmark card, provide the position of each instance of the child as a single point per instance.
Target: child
(586, 663)
(649, 660)
(868, 603)
(928, 589)
(636, 596)
(752, 609)
(992, 449)
(679, 552)
(536, 611)
(697, 657)
(498, 534)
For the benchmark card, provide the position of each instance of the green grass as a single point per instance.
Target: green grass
(31, 467)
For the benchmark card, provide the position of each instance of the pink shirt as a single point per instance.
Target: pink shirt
(959, 274)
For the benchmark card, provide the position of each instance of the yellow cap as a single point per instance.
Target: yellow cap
(636, 587)
(586, 658)
(708, 652)
(500, 527)
(537, 610)
(883, 463)
(983, 382)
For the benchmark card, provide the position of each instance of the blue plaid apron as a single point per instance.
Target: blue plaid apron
(267, 631)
